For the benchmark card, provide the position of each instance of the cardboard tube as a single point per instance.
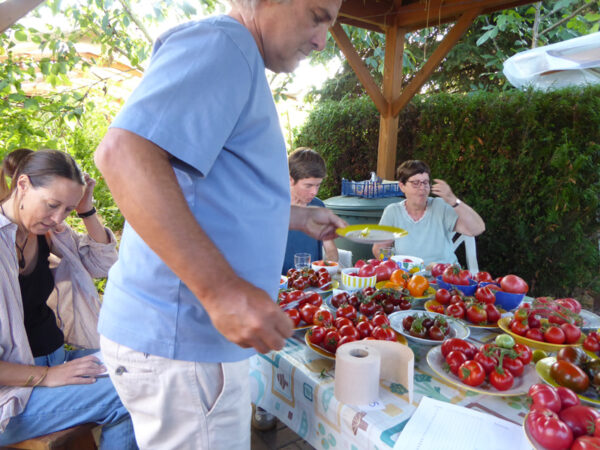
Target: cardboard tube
(357, 369)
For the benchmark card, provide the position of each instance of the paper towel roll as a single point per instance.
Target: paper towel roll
(357, 369)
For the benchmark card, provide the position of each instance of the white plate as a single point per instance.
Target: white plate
(370, 233)
(436, 361)
(457, 329)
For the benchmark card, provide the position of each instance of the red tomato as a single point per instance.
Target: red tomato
(366, 271)
(569, 375)
(459, 344)
(569, 303)
(545, 397)
(457, 299)
(331, 340)
(346, 339)
(519, 327)
(455, 359)
(368, 308)
(476, 314)
(383, 272)
(471, 373)
(572, 332)
(307, 313)
(339, 322)
(347, 311)
(365, 328)
(493, 315)
(314, 299)
(442, 296)
(358, 264)
(514, 284)
(484, 295)
(350, 330)
(379, 320)
(568, 398)
(450, 274)
(339, 299)
(554, 335)
(323, 317)
(488, 363)
(578, 418)
(483, 277)
(548, 430)
(524, 352)
(391, 264)
(456, 310)
(501, 379)
(384, 333)
(535, 334)
(586, 443)
(316, 334)
(515, 366)
(591, 343)
(438, 269)
(436, 308)
(294, 315)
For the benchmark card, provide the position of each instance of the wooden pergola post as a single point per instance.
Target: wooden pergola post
(13, 10)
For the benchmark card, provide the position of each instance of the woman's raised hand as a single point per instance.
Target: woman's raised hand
(87, 201)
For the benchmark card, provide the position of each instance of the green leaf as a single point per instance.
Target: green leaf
(20, 35)
(31, 103)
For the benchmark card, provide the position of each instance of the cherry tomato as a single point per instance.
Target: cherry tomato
(323, 317)
(294, 315)
(368, 291)
(442, 296)
(524, 352)
(455, 359)
(307, 313)
(331, 340)
(471, 373)
(456, 310)
(316, 334)
(339, 299)
(345, 340)
(459, 344)
(548, 430)
(368, 308)
(379, 320)
(519, 327)
(493, 315)
(515, 366)
(435, 307)
(484, 295)
(488, 363)
(501, 379)
(350, 330)
(434, 332)
(339, 322)
(384, 333)
(314, 298)
(554, 335)
(347, 311)
(365, 328)
(535, 334)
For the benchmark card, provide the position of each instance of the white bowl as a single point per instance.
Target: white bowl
(357, 282)
(283, 282)
(332, 269)
(407, 262)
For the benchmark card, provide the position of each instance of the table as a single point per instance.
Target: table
(296, 385)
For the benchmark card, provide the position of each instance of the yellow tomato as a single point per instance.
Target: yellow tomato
(399, 277)
(417, 285)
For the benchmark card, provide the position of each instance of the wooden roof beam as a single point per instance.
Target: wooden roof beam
(359, 67)
(435, 59)
(13, 10)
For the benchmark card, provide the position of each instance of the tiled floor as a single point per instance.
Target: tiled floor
(279, 438)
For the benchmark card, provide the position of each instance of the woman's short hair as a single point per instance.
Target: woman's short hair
(41, 166)
(411, 167)
(304, 162)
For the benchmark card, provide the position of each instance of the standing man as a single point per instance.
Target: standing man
(196, 162)
(307, 170)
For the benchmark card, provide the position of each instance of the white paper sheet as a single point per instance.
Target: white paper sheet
(442, 425)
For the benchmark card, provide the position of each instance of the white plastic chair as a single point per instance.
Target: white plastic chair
(470, 250)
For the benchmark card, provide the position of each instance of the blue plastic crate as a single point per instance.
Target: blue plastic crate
(370, 189)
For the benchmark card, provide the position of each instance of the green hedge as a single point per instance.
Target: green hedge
(528, 162)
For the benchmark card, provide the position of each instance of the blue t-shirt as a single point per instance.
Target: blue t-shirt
(299, 242)
(430, 238)
(205, 100)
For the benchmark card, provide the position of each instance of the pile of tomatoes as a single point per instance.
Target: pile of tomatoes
(302, 279)
(329, 332)
(548, 320)
(425, 327)
(369, 301)
(499, 362)
(557, 420)
(307, 304)
(479, 310)
(383, 269)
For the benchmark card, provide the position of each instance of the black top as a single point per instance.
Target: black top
(40, 322)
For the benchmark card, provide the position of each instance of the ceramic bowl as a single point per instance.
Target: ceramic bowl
(356, 282)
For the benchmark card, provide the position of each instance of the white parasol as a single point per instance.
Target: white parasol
(569, 63)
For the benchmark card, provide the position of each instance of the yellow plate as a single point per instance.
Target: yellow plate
(521, 386)
(542, 367)
(546, 346)
(325, 354)
(370, 233)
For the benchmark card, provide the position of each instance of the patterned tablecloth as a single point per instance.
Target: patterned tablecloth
(296, 385)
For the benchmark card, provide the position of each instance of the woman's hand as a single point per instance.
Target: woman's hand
(79, 371)
(442, 190)
(87, 201)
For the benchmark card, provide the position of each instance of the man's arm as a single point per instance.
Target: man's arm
(149, 196)
(319, 223)
(331, 251)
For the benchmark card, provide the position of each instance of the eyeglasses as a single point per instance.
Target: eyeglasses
(416, 183)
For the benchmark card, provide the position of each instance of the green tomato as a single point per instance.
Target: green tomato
(505, 341)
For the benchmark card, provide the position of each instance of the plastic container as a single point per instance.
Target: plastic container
(507, 300)
(331, 269)
(370, 189)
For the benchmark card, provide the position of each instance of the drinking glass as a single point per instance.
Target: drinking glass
(302, 261)
(386, 253)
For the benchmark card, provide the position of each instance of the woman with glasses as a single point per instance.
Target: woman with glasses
(430, 221)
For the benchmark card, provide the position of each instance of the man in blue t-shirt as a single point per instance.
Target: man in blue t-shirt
(307, 170)
(196, 162)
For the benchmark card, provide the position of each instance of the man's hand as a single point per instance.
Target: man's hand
(319, 223)
(251, 319)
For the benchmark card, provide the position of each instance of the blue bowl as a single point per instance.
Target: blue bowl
(507, 300)
(467, 290)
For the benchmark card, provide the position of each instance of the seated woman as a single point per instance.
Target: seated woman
(43, 387)
(430, 222)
